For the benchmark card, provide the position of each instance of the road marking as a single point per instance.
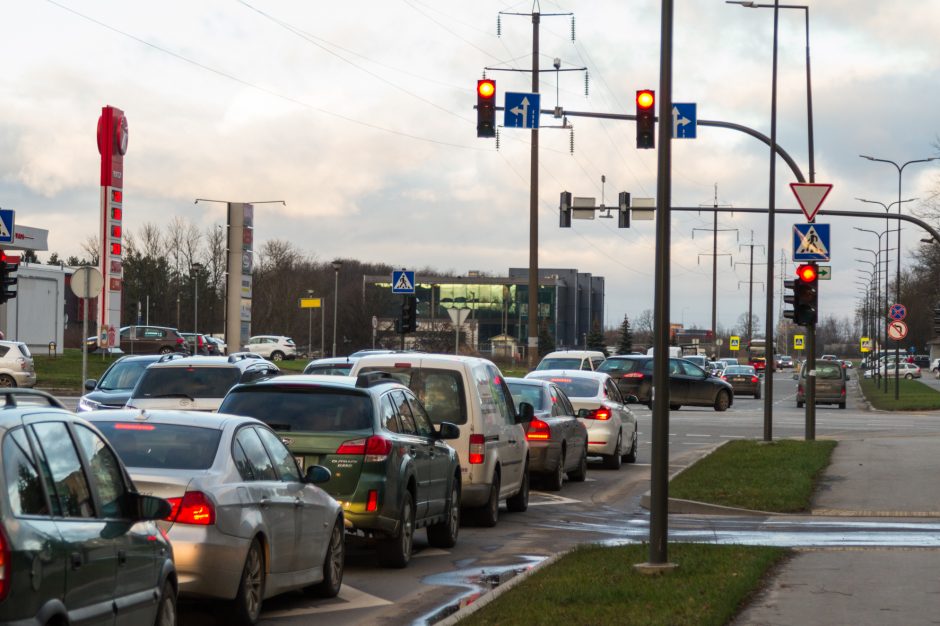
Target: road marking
(551, 499)
(349, 598)
(691, 435)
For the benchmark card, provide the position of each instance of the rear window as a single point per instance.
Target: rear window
(739, 369)
(303, 409)
(194, 382)
(336, 369)
(560, 364)
(162, 446)
(533, 394)
(440, 391)
(576, 387)
(24, 350)
(616, 367)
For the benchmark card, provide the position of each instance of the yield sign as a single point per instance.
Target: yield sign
(810, 196)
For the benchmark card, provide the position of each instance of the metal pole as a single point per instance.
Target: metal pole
(87, 291)
(715, 273)
(322, 327)
(533, 331)
(310, 332)
(772, 204)
(336, 266)
(809, 106)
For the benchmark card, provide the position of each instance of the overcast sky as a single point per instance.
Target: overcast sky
(360, 116)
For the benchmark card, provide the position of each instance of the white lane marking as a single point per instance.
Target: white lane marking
(349, 598)
(551, 499)
(691, 435)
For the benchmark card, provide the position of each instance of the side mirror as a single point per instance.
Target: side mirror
(148, 507)
(446, 430)
(526, 413)
(90, 384)
(317, 474)
(631, 399)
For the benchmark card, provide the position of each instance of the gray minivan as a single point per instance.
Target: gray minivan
(830, 384)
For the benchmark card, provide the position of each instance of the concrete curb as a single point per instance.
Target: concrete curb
(488, 596)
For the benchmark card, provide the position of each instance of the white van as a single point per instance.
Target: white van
(471, 393)
(572, 360)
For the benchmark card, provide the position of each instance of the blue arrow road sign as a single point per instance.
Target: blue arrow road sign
(683, 120)
(521, 110)
(811, 242)
(6, 225)
(403, 281)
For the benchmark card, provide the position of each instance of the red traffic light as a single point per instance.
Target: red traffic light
(486, 88)
(645, 99)
(807, 273)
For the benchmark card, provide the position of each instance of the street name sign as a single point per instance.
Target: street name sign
(810, 196)
(521, 110)
(811, 242)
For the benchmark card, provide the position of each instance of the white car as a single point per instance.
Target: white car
(16, 365)
(904, 370)
(272, 347)
(611, 426)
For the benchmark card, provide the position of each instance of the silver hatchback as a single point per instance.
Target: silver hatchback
(16, 365)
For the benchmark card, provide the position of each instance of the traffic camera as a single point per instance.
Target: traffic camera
(8, 268)
(645, 119)
(486, 108)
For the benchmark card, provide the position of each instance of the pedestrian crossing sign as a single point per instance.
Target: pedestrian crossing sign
(811, 242)
(798, 342)
(403, 281)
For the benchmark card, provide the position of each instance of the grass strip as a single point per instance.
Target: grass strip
(599, 585)
(779, 476)
(64, 371)
(913, 395)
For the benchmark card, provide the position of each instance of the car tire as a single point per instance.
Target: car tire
(488, 514)
(630, 457)
(7, 381)
(444, 535)
(334, 564)
(246, 607)
(909, 376)
(277, 355)
(722, 401)
(520, 502)
(614, 461)
(579, 475)
(556, 479)
(842, 405)
(799, 404)
(757, 396)
(675, 407)
(396, 551)
(166, 611)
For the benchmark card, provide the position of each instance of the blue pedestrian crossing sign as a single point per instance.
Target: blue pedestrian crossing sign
(521, 110)
(403, 281)
(6, 225)
(683, 120)
(811, 242)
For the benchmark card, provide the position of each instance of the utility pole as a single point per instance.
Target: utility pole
(750, 290)
(715, 256)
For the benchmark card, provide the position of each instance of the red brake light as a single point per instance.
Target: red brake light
(477, 449)
(377, 449)
(5, 569)
(353, 446)
(601, 414)
(538, 431)
(633, 375)
(755, 379)
(121, 426)
(724, 377)
(193, 508)
(372, 503)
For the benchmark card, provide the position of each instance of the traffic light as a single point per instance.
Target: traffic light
(409, 315)
(8, 267)
(623, 204)
(806, 295)
(564, 210)
(486, 108)
(645, 118)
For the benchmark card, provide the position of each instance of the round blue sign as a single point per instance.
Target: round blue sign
(897, 312)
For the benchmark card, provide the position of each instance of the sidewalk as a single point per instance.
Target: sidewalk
(869, 478)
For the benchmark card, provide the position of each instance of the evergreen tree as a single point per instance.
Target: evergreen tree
(595, 339)
(625, 346)
(546, 341)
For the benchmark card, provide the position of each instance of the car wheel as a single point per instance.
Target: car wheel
(247, 606)
(7, 381)
(630, 457)
(166, 612)
(396, 551)
(757, 396)
(580, 474)
(842, 405)
(675, 407)
(557, 478)
(277, 356)
(488, 514)
(166, 350)
(334, 564)
(613, 461)
(722, 401)
(909, 376)
(520, 502)
(444, 535)
(799, 404)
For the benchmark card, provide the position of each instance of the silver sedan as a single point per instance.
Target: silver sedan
(246, 525)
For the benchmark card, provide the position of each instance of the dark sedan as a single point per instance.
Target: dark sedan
(557, 439)
(744, 379)
(688, 383)
(114, 387)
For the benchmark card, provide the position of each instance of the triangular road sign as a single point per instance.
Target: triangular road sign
(810, 196)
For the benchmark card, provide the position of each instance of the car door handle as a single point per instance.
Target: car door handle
(77, 560)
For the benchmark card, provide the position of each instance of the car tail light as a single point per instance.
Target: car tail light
(723, 377)
(633, 375)
(799, 389)
(374, 448)
(755, 379)
(180, 341)
(353, 446)
(602, 414)
(372, 504)
(538, 431)
(193, 508)
(477, 449)
(5, 569)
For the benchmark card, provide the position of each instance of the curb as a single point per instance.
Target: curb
(488, 596)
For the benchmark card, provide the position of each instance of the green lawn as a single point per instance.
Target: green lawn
(913, 395)
(780, 476)
(599, 585)
(65, 370)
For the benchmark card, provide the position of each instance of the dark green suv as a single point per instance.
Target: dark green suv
(391, 470)
(77, 542)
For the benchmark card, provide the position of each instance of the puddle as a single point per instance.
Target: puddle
(476, 581)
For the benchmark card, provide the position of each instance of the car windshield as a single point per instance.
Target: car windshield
(192, 382)
(827, 371)
(577, 387)
(560, 364)
(527, 392)
(618, 367)
(163, 446)
(122, 375)
(303, 409)
(746, 370)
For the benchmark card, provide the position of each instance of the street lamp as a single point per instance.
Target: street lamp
(310, 327)
(336, 265)
(883, 329)
(897, 287)
(194, 269)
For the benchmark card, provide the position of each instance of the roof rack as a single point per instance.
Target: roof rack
(239, 356)
(371, 379)
(11, 401)
(170, 356)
